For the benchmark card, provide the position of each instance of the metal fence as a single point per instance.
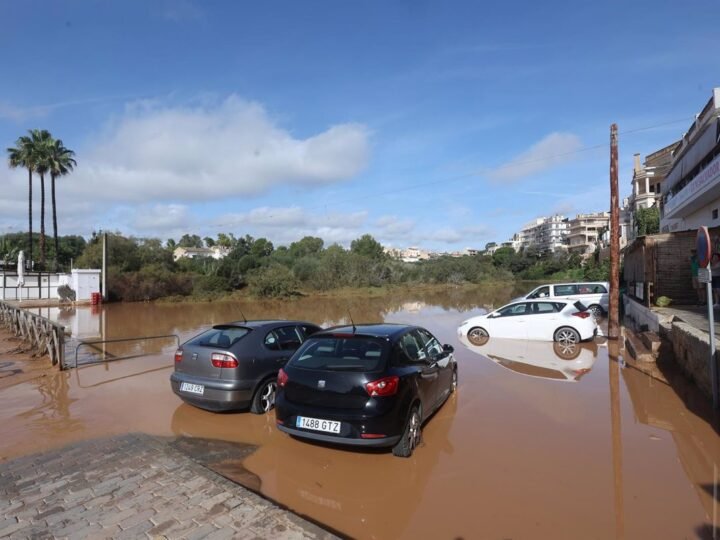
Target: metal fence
(43, 335)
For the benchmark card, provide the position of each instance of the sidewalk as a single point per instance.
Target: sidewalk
(137, 486)
(696, 316)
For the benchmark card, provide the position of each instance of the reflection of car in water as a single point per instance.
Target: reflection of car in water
(556, 361)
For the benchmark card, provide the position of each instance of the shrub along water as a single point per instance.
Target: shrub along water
(145, 269)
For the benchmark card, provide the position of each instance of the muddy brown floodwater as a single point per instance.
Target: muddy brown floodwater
(539, 441)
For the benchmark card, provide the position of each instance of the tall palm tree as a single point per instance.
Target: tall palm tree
(61, 162)
(41, 142)
(21, 155)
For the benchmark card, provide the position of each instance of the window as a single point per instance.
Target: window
(411, 348)
(431, 346)
(565, 290)
(515, 309)
(542, 292)
(221, 337)
(546, 307)
(286, 338)
(341, 354)
(715, 213)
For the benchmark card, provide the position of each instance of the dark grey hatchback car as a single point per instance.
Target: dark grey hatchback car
(235, 365)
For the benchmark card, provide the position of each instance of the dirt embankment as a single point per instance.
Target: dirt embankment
(17, 363)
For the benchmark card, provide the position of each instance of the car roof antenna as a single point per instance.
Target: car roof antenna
(352, 322)
(243, 316)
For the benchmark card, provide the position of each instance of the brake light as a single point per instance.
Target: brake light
(282, 378)
(582, 314)
(223, 360)
(383, 387)
(178, 355)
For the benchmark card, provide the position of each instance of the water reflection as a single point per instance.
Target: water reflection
(541, 359)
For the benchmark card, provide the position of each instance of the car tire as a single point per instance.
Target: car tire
(264, 398)
(597, 310)
(566, 335)
(411, 434)
(478, 336)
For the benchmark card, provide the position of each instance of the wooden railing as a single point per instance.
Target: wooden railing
(43, 335)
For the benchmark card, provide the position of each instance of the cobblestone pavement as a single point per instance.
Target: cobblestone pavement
(135, 486)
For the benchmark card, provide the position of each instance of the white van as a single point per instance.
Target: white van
(595, 295)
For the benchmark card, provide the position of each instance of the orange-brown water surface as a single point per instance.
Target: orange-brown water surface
(539, 442)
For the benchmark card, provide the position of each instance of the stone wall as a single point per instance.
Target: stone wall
(692, 351)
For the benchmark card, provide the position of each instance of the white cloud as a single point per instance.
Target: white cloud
(551, 151)
(233, 148)
(162, 218)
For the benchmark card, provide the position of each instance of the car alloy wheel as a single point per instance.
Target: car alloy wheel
(411, 435)
(264, 399)
(478, 336)
(567, 336)
(597, 311)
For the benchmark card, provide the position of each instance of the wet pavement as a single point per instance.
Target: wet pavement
(537, 443)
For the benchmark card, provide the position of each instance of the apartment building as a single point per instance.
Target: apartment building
(585, 232)
(691, 190)
(544, 234)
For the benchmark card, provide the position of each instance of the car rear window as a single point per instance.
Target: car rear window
(221, 337)
(333, 353)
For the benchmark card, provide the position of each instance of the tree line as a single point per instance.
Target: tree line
(40, 153)
(145, 269)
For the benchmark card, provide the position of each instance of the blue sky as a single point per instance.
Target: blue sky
(440, 124)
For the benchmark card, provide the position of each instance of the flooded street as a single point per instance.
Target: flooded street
(538, 442)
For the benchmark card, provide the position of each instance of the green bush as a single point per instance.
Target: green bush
(272, 281)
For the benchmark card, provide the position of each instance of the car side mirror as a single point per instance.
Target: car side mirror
(448, 348)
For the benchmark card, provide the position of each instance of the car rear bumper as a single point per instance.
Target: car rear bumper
(335, 439)
(386, 423)
(218, 395)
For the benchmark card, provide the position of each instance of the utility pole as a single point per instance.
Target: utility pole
(613, 311)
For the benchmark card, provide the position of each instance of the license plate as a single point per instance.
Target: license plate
(192, 388)
(329, 426)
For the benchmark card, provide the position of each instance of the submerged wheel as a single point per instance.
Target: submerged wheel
(264, 398)
(566, 335)
(411, 435)
(598, 311)
(478, 336)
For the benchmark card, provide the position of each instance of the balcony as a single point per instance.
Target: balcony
(698, 192)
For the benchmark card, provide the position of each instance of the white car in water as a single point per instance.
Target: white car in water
(544, 320)
(567, 362)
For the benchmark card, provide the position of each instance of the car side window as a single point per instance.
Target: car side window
(308, 330)
(286, 338)
(542, 292)
(599, 289)
(565, 290)
(431, 346)
(544, 307)
(515, 309)
(408, 350)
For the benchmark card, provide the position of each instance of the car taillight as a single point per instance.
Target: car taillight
(582, 314)
(178, 355)
(383, 387)
(222, 360)
(282, 378)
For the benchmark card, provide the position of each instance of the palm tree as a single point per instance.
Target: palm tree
(61, 162)
(41, 141)
(22, 156)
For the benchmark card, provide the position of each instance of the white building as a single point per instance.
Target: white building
(586, 231)
(544, 234)
(216, 252)
(691, 190)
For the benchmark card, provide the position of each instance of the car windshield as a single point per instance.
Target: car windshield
(220, 336)
(334, 353)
